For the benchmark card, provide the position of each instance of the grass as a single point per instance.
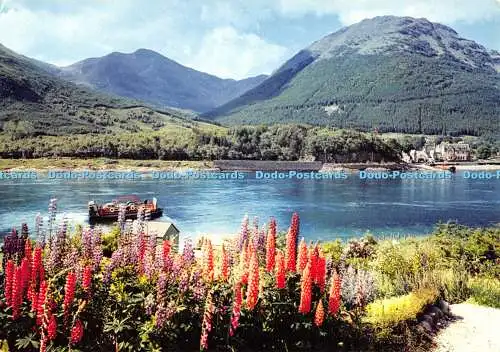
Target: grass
(485, 291)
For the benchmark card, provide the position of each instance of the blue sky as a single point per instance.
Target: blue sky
(228, 38)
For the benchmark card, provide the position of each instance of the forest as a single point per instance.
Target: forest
(278, 142)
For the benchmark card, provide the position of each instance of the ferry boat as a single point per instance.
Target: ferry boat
(110, 211)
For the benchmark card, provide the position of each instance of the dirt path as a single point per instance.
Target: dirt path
(477, 329)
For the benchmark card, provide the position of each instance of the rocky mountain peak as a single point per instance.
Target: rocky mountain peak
(391, 34)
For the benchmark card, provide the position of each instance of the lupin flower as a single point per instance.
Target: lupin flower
(320, 278)
(188, 253)
(87, 243)
(56, 255)
(71, 258)
(28, 250)
(76, 332)
(40, 234)
(52, 327)
(164, 312)
(319, 315)
(184, 281)
(280, 270)
(25, 274)
(244, 263)
(255, 232)
(334, 295)
(87, 279)
(150, 304)
(208, 261)
(9, 281)
(243, 235)
(224, 264)
(36, 266)
(17, 292)
(52, 215)
(69, 292)
(122, 209)
(197, 285)
(13, 247)
(166, 247)
(141, 252)
(149, 258)
(271, 246)
(235, 315)
(261, 242)
(40, 303)
(24, 230)
(313, 257)
(206, 325)
(306, 290)
(253, 282)
(303, 256)
(291, 243)
(96, 248)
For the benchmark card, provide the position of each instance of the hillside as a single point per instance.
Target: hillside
(153, 78)
(35, 102)
(390, 73)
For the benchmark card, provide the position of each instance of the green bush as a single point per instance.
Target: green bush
(333, 250)
(485, 291)
(404, 266)
(477, 248)
(110, 241)
(386, 314)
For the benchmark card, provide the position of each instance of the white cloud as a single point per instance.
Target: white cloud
(230, 54)
(221, 37)
(349, 12)
(65, 35)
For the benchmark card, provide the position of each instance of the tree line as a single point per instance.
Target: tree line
(278, 142)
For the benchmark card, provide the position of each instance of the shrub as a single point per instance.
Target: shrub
(405, 266)
(478, 248)
(485, 291)
(384, 315)
(333, 250)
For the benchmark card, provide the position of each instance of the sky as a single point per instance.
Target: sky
(227, 38)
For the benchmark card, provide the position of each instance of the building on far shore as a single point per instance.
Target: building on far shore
(452, 152)
(440, 152)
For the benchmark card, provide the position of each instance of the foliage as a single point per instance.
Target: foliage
(485, 291)
(386, 314)
(395, 92)
(90, 290)
(189, 140)
(478, 249)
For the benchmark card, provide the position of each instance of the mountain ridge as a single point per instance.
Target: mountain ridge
(157, 80)
(34, 101)
(366, 76)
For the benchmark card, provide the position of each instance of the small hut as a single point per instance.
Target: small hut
(164, 231)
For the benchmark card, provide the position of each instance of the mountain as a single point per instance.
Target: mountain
(396, 74)
(153, 78)
(495, 55)
(35, 102)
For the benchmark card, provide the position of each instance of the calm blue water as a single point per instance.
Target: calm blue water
(328, 208)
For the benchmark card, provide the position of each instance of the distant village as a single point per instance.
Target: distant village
(439, 152)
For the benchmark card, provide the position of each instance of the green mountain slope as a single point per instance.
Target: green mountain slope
(35, 102)
(390, 73)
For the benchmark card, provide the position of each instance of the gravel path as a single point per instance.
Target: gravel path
(477, 329)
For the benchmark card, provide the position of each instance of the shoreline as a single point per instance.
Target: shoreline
(103, 164)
